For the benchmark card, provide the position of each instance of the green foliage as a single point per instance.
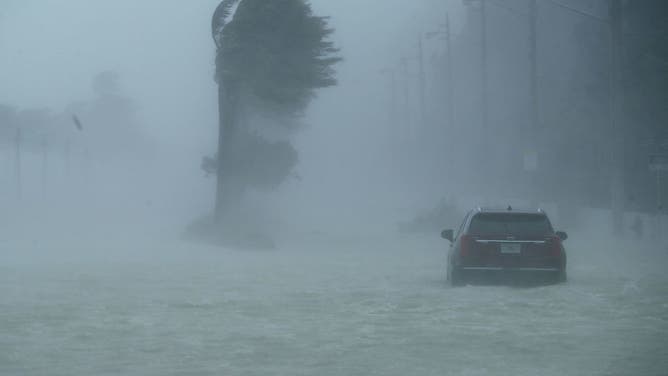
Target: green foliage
(271, 58)
(646, 65)
(220, 19)
(276, 54)
(254, 161)
(585, 118)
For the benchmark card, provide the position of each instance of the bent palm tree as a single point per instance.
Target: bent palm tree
(271, 58)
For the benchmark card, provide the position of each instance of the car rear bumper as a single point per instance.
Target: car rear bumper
(500, 269)
(512, 275)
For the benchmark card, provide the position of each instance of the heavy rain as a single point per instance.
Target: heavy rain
(260, 187)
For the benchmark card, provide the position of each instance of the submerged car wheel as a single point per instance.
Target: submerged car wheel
(556, 278)
(455, 277)
(562, 277)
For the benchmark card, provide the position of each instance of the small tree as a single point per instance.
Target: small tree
(8, 124)
(271, 58)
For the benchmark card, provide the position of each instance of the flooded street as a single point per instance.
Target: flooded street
(350, 307)
(256, 187)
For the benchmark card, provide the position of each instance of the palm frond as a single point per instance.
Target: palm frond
(221, 17)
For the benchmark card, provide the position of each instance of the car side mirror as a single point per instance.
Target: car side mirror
(562, 235)
(447, 234)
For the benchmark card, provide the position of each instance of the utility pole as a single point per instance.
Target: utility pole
(393, 100)
(483, 54)
(485, 156)
(421, 85)
(532, 136)
(533, 46)
(44, 164)
(17, 160)
(451, 89)
(406, 105)
(616, 117)
(451, 97)
(392, 110)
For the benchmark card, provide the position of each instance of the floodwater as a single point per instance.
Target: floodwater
(374, 305)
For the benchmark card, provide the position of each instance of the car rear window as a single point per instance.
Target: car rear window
(510, 224)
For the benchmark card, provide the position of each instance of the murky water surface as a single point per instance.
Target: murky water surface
(347, 308)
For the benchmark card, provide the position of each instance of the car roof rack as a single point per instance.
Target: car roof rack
(508, 209)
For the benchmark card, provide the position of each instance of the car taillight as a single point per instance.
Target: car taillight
(466, 242)
(555, 247)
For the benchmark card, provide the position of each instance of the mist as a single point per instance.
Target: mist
(165, 67)
(135, 240)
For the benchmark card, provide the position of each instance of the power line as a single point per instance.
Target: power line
(517, 12)
(580, 12)
(512, 10)
(653, 34)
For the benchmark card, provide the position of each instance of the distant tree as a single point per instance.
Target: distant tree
(646, 66)
(35, 124)
(645, 115)
(8, 124)
(645, 72)
(108, 121)
(271, 58)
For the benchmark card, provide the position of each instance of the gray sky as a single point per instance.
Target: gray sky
(163, 53)
(161, 49)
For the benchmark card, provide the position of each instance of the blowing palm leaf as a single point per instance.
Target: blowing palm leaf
(221, 17)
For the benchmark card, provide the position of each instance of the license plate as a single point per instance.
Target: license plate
(511, 248)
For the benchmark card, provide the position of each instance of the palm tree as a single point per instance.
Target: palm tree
(271, 58)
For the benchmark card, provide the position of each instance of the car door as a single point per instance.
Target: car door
(454, 246)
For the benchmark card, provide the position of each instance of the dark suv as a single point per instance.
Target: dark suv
(506, 243)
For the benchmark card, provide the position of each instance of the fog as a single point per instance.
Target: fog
(115, 258)
(162, 55)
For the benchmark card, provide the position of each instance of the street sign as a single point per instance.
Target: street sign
(658, 162)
